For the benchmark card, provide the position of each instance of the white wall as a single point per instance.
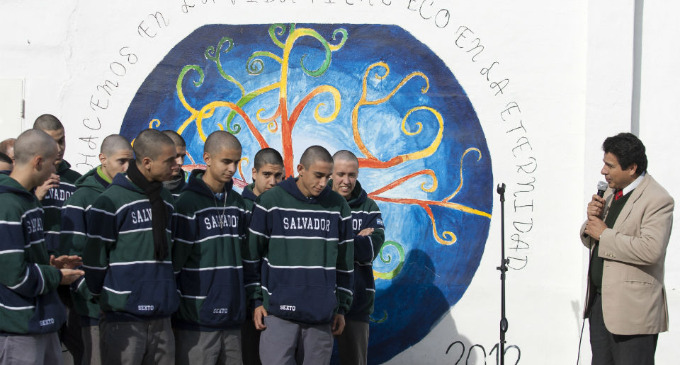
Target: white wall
(570, 70)
(659, 111)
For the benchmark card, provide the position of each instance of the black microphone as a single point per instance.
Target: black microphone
(601, 188)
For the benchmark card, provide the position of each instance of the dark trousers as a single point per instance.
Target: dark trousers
(611, 349)
(353, 343)
(70, 333)
(250, 343)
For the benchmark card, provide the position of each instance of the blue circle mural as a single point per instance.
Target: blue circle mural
(374, 90)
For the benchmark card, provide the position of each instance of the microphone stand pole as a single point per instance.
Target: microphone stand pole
(500, 189)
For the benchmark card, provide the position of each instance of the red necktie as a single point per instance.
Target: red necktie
(618, 194)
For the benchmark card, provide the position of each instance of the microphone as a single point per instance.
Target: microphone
(601, 188)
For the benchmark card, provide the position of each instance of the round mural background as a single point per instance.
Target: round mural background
(374, 90)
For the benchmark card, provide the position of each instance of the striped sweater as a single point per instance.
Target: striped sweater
(53, 202)
(209, 234)
(28, 298)
(365, 214)
(118, 258)
(74, 235)
(300, 253)
(249, 196)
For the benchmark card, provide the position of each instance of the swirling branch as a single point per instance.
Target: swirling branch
(180, 80)
(272, 124)
(255, 65)
(247, 99)
(182, 98)
(244, 160)
(154, 123)
(370, 160)
(446, 237)
(279, 29)
(298, 33)
(460, 184)
(289, 123)
(209, 109)
(373, 162)
(214, 55)
(401, 257)
(317, 115)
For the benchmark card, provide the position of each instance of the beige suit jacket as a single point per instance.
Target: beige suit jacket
(634, 251)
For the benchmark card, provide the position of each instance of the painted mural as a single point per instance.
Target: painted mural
(374, 90)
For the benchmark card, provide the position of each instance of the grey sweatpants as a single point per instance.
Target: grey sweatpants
(91, 351)
(145, 342)
(289, 343)
(30, 350)
(208, 348)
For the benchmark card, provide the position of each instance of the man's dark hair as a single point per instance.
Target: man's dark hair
(5, 158)
(267, 156)
(313, 154)
(628, 149)
(148, 143)
(47, 122)
(175, 137)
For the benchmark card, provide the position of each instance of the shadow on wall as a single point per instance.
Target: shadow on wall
(415, 284)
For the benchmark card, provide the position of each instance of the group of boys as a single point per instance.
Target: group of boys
(183, 271)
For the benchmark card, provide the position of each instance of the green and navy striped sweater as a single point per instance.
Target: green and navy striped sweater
(119, 258)
(74, 235)
(365, 214)
(249, 196)
(29, 303)
(300, 254)
(52, 203)
(209, 235)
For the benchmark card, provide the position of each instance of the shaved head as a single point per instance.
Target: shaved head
(6, 145)
(47, 122)
(31, 143)
(345, 155)
(313, 154)
(176, 138)
(149, 143)
(267, 156)
(218, 140)
(115, 143)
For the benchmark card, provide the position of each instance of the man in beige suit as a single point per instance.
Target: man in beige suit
(627, 232)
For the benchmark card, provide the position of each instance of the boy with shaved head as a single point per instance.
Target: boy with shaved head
(210, 225)
(267, 172)
(59, 186)
(178, 181)
(299, 264)
(127, 257)
(29, 306)
(52, 194)
(115, 156)
(369, 234)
